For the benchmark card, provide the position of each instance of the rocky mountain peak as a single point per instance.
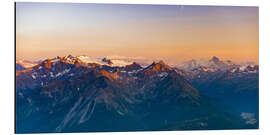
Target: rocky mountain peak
(133, 66)
(160, 66)
(108, 61)
(215, 59)
(156, 67)
(109, 75)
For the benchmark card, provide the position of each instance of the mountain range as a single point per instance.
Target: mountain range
(84, 94)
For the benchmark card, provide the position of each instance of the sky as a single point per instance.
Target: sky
(168, 32)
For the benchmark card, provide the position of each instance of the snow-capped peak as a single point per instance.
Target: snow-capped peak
(246, 69)
(105, 61)
(213, 63)
(87, 59)
(70, 58)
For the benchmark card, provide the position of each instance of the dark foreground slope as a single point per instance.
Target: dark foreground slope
(237, 87)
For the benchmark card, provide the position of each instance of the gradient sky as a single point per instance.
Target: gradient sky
(169, 32)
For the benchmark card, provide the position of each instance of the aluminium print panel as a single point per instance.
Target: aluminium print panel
(83, 67)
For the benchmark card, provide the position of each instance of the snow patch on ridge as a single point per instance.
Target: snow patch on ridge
(34, 75)
(62, 73)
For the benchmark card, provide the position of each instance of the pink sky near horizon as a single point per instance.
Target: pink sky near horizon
(168, 32)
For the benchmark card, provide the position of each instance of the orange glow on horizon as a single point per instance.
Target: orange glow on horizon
(230, 33)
